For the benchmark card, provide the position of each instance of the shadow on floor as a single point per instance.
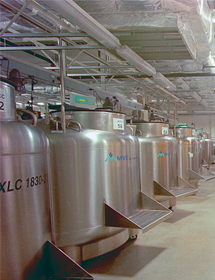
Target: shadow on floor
(123, 261)
(193, 199)
(178, 215)
(204, 192)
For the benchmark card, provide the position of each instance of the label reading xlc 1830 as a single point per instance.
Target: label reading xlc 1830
(16, 185)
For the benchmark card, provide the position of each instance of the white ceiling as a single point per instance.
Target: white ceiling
(174, 38)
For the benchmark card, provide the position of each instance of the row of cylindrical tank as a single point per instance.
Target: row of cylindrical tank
(207, 150)
(87, 189)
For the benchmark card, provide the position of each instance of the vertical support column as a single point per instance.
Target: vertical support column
(143, 96)
(103, 78)
(210, 131)
(158, 100)
(62, 74)
(175, 115)
(168, 106)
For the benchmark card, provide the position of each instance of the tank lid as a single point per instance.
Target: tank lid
(7, 82)
(153, 129)
(183, 132)
(143, 121)
(7, 102)
(101, 120)
(70, 108)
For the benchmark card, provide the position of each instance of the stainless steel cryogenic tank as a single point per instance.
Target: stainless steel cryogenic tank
(189, 157)
(157, 156)
(24, 216)
(188, 152)
(158, 163)
(93, 164)
(208, 151)
(26, 248)
(202, 150)
(95, 183)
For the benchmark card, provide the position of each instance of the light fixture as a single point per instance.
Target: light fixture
(196, 96)
(205, 103)
(78, 17)
(182, 83)
(134, 59)
(161, 79)
(172, 95)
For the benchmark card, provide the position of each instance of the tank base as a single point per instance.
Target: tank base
(97, 248)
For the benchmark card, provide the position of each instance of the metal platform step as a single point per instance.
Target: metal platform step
(55, 264)
(150, 214)
(161, 194)
(204, 174)
(205, 164)
(147, 218)
(184, 188)
(183, 192)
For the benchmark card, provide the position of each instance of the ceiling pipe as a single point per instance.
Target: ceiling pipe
(97, 25)
(15, 17)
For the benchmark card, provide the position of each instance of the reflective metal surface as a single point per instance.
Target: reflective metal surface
(202, 150)
(90, 166)
(7, 102)
(188, 152)
(208, 150)
(95, 168)
(55, 264)
(131, 129)
(157, 156)
(24, 216)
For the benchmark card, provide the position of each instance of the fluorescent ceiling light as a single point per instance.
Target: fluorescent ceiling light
(204, 103)
(148, 81)
(77, 16)
(172, 95)
(134, 59)
(182, 83)
(196, 96)
(161, 79)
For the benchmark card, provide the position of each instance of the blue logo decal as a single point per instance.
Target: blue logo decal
(110, 157)
(163, 154)
(118, 158)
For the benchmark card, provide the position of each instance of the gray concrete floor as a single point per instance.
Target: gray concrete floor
(181, 248)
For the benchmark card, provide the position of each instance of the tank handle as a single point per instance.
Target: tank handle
(138, 132)
(34, 118)
(78, 124)
(131, 129)
(104, 108)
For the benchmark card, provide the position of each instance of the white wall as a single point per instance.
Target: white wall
(207, 122)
